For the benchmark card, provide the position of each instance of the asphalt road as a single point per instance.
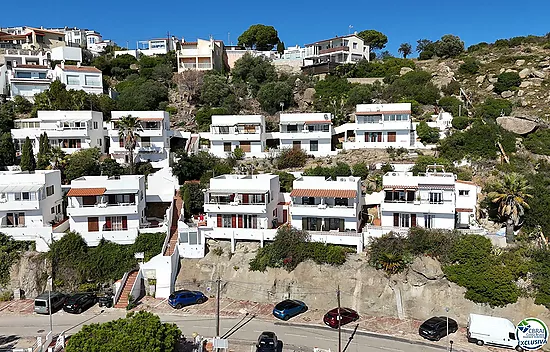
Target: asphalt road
(295, 337)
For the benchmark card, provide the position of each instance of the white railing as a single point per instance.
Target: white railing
(121, 287)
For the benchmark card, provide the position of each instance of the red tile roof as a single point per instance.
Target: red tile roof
(464, 210)
(83, 192)
(329, 193)
(80, 69)
(399, 187)
(466, 182)
(41, 67)
(150, 118)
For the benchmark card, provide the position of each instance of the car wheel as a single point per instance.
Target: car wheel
(109, 305)
(519, 349)
(480, 343)
(79, 311)
(178, 306)
(200, 301)
(286, 317)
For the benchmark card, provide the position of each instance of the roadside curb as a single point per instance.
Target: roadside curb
(369, 334)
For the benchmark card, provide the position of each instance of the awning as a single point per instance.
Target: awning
(400, 187)
(318, 122)
(150, 118)
(121, 191)
(84, 192)
(440, 187)
(464, 210)
(329, 193)
(19, 188)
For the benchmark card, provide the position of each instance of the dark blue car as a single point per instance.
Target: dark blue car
(289, 308)
(183, 298)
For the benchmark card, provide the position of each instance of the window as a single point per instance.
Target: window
(308, 200)
(296, 145)
(436, 198)
(145, 141)
(429, 221)
(25, 195)
(121, 142)
(95, 125)
(355, 45)
(372, 119)
(223, 129)
(325, 127)
(373, 137)
(392, 136)
(334, 224)
(50, 190)
(341, 202)
(93, 81)
(15, 219)
(93, 224)
(226, 218)
(404, 220)
(99, 142)
(119, 223)
(227, 146)
(52, 210)
(292, 128)
(463, 192)
(313, 146)
(249, 129)
(17, 196)
(59, 208)
(73, 80)
(42, 75)
(23, 75)
(245, 146)
(194, 238)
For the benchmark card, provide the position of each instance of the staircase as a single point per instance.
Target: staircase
(173, 240)
(126, 290)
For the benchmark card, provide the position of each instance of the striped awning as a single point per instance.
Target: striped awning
(399, 187)
(441, 187)
(319, 193)
(84, 192)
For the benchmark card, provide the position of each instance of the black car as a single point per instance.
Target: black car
(267, 342)
(79, 302)
(106, 300)
(436, 327)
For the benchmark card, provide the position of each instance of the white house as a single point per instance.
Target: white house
(27, 80)
(150, 47)
(381, 126)
(202, 55)
(112, 208)
(154, 139)
(69, 130)
(31, 206)
(435, 199)
(326, 205)
(345, 49)
(95, 42)
(311, 132)
(77, 77)
(246, 132)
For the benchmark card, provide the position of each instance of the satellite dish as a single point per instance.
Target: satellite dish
(326, 116)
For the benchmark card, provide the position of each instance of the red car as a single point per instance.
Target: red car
(347, 315)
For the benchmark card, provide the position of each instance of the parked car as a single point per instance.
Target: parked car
(42, 302)
(183, 298)
(267, 342)
(436, 327)
(347, 316)
(79, 302)
(106, 300)
(289, 308)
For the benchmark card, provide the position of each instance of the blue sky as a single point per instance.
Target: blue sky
(298, 22)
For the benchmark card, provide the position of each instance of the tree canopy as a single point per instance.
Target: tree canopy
(84, 162)
(28, 162)
(259, 37)
(374, 39)
(141, 331)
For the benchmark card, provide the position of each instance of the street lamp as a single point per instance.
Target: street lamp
(447, 317)
(282, 105)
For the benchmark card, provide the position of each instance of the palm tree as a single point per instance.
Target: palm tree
(511, 196)
(405, 49)
(128, 128)
(57, 156)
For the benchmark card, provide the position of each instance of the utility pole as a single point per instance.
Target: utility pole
(339, 322)
(350, 338)
(218, 282)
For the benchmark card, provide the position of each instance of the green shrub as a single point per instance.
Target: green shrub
(360, 170)
(389, 253)
(453, 88)
(501, 43)
(292, 157)
(414, 85)
(340, 169)
(507, 81)
(433, 243)
(460, 122)
(272, 94)
(426, 55)
(238, 153)
(450, 105)
(470, 66)
(6, 296)
(493, 108)
(477, 47)
(427, 134)
(538, 142)
(88, 287)
(10, 251)
(217, 251)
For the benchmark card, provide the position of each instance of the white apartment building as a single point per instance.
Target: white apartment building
(150, 47)
(25, 37)
(246, 132)
(31, 206)
(86, 78)
(435, 199)
(95, 42)
(326, 205)
(69, 130)
(381, 126)
(324, 55)
(242, 207)
(112, 208)
(311, 132)
(26, 80)
(73, 36)
(154, 138)
(202, 55)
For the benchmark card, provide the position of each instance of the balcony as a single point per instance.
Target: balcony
(195, 66)
(333, 50)
(149, 149)
(422, 206)
(103, 209)
(235, 208)
(325, 210)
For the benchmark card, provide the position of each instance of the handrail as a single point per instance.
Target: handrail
(121, 288)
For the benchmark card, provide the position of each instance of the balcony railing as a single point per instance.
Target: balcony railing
(102, 205)
(324, 206)
(235, 203)
(105, 228)
(333, 50)
(193, 66)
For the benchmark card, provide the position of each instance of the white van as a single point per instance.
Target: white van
(484, 329)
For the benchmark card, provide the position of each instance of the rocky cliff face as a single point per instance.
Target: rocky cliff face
(29, 274)
(419, 293)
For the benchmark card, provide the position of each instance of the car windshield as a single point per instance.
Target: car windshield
(284, 305)
(75, 298)
(432, 322)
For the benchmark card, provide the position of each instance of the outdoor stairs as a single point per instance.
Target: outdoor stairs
(173, 240)
(123, 299)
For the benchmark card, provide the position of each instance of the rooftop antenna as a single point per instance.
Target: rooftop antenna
(349, 29)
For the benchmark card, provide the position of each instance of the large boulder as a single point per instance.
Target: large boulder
(517, 125)
(507, 94)
(309, 95)
(524, 73)
(405, 70)
(427, 267)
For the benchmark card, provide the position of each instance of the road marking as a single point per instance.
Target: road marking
(295, 335)
(202, 327)
(390, 349)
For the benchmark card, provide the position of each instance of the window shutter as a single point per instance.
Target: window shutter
(219, 220)
(240, 221)
(132, 198)
(342, 225)
(245, 198)
(108, 222)
(413, 220)
(379, 137)
(396, 219)
(304, 224)
(125, 223)
(233, 221)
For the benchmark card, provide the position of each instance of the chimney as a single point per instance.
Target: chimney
(62, 64)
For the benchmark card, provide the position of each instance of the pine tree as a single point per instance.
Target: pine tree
(44, 152)
(28, 163)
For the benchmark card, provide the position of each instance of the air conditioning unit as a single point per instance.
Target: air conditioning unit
(322, 206)
(326, 116)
